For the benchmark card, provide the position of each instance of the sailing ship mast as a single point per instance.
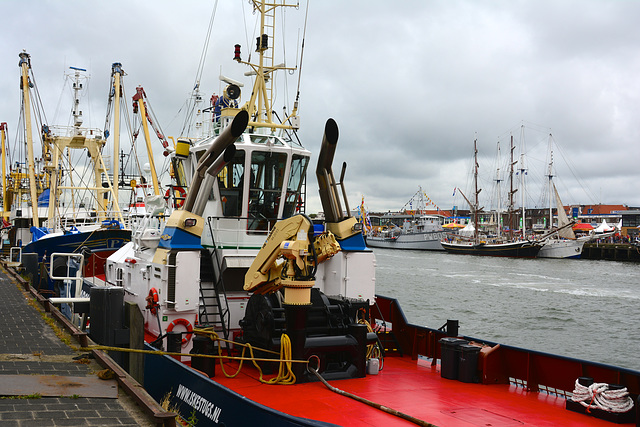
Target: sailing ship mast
(551, 186)
(523, 172)
(475, 183)
(512, 191)
(499, 210)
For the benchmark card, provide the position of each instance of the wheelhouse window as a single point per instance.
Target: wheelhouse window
(231, 184)
(294, 202)
(265, 188)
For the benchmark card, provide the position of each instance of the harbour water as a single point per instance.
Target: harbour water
(578, 308)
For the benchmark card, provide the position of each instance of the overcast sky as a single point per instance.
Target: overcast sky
(410, 84)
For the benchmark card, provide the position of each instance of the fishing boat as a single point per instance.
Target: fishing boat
(78, 216)
(416, 230)
(271, 319)
(486, 246)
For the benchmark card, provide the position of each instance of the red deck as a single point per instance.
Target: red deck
(415, 388)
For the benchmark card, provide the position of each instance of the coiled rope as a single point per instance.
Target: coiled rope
(285, 373)
(599, 395)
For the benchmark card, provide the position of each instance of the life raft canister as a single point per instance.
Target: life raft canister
(186, 324)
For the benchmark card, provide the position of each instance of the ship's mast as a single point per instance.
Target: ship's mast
(512, 191)
(551, 191)
(259, 106)
(25, 65)
(80, 138)
(116, 76)
(475, 183)
(6, 204)
(523, 171)
(498, 181)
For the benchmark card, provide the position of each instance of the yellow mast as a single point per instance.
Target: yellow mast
(116, 70)
(25, 64)
(259, 106)
(5, 190)
(139, 98)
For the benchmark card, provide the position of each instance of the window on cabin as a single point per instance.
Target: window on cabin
(265, 187)
(231, 185)
(295, 203)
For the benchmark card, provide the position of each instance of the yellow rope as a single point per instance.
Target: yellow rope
(285, 374)
(373, 350)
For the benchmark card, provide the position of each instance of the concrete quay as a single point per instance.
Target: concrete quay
(45, 380)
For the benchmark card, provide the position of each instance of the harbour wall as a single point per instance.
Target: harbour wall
(611, 251)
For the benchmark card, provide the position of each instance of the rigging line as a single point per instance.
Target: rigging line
(205, 48)
(186, 126)
(57, 110)
(304, 35)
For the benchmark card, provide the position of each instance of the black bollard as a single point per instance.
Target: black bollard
(452, 328)
(204, 345)
(174, 343)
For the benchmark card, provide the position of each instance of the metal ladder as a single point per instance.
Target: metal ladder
(214, 310)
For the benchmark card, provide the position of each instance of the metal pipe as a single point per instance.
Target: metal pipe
(326, 181)
(210, 178)
(227, 137)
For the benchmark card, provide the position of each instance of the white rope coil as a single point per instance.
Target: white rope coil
(599, 395)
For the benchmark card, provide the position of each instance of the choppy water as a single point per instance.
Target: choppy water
(578, 308)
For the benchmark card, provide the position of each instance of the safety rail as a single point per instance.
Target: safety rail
(12, 256)
(235, 232)
(503, 364)
(68, 299)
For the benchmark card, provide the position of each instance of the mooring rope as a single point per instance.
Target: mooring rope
(599, 395)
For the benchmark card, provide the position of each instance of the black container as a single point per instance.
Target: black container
(106, 310)
(468, 363)
(174, 342)
(32, 268)
(449, 356)
(204, 345)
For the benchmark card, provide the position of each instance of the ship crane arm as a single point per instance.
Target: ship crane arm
(288, 259)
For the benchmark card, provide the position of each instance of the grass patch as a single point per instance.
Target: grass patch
(28, 396)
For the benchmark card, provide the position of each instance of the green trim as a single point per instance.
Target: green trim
(231, 247)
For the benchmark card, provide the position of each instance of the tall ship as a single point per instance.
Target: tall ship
(498, 245)
(561, 241)
(413, 229)
(268, 318)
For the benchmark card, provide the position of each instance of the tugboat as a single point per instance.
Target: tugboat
(245, 291)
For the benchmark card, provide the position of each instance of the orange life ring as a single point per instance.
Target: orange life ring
(152, 300)
(186, 324)
(179, 201)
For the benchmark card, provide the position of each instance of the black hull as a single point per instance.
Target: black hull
(515, 250)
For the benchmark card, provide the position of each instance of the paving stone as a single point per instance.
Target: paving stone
(29, 346)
